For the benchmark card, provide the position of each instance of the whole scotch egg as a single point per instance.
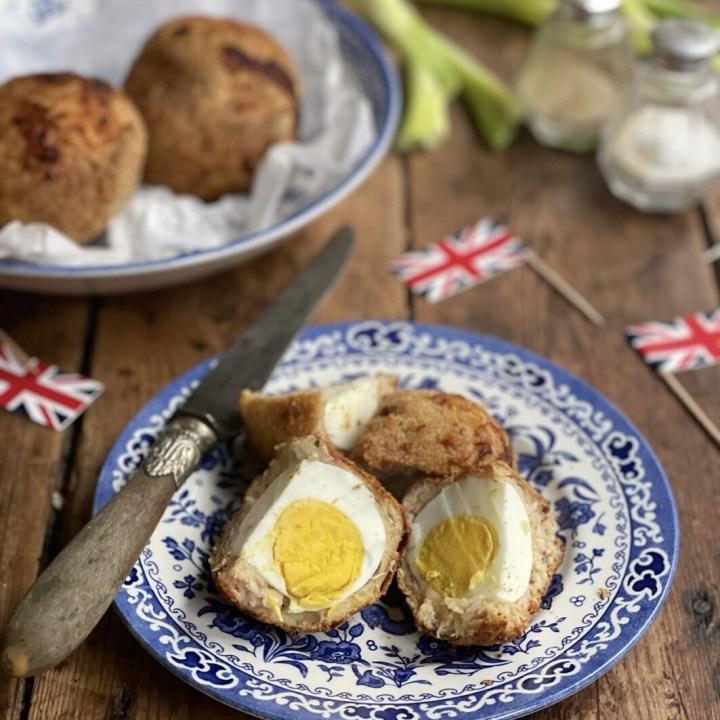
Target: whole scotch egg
(72, 152)
(315, 540)
(481, 554)
(216, 94)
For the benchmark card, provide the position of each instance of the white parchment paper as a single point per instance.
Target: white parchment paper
(101, 38)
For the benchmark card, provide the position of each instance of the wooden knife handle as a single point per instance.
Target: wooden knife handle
(69, 598)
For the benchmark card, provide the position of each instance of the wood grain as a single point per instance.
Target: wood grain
(33, 471)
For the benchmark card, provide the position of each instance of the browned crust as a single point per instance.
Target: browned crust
(72, 151)
(272, 420)
(242, 586)
(476, 621)
(216, 93)
(431, 433)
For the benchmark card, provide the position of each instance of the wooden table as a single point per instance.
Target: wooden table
(633, 268)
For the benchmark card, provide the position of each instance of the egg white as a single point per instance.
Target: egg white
(311, 479)
(500, 504)
(348, 408)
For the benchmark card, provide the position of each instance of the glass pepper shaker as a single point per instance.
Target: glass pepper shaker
(574, 73)
(661, 148)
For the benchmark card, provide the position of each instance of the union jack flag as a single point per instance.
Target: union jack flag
(41, 393)
(686, 343)
(457, 262)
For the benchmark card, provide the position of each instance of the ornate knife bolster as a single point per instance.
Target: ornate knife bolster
(178, 450)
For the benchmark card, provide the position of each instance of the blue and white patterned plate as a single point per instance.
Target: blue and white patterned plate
(367, 62)
(613, 502)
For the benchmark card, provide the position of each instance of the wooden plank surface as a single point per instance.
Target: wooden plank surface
(631, 266)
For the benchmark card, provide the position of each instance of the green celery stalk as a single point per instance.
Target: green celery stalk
(494, 107)
(437, 71)
(527, 12)
(641, 22)
(683, 9)
(426, 118)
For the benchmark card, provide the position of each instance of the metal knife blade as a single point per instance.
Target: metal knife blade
(249, 361)
(71, 595)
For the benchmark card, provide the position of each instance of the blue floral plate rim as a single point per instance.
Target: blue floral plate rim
(615, 507)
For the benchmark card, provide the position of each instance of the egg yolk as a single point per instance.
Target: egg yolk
(318, 550)
(456, 554)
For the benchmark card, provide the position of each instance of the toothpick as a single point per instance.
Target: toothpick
(568, 292)
(19, 353)
(691, 406)
(711, 254)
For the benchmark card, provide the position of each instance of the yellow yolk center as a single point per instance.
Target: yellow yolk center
(318, 550)
(456, 554)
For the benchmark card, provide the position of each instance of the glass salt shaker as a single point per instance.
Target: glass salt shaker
(574, 73)
(661, 148)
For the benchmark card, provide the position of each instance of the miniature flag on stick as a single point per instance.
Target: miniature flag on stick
(39, 391)
(686, 343)
(457, 262)
(478, 253)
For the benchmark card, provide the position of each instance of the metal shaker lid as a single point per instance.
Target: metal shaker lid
(684, 44)
(589, 9)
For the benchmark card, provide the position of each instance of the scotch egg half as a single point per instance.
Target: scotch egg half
(315, 540)
(480, 556)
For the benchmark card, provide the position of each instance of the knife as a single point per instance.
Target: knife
(68, 599)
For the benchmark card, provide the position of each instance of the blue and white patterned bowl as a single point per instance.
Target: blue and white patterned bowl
(613, 502)
(367, 61)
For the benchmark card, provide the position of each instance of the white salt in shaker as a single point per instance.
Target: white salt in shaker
(577, 66)
(661, 149)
